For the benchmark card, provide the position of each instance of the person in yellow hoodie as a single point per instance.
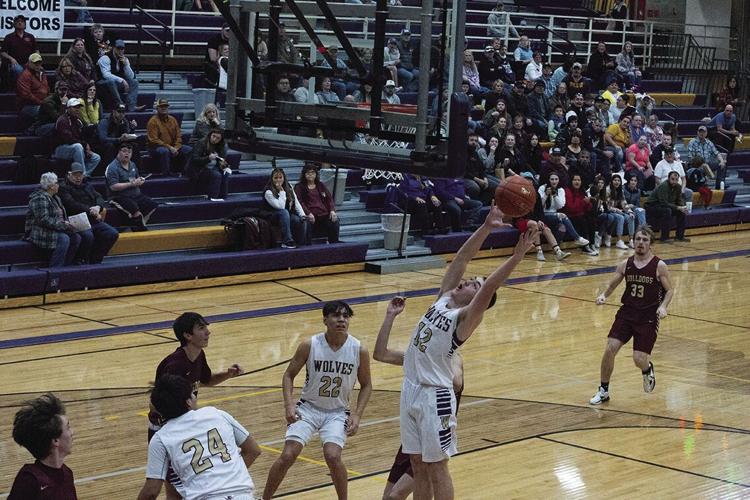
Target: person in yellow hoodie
(165, 141)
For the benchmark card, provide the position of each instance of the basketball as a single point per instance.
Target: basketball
(515, 196)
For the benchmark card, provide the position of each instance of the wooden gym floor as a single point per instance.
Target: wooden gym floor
(525, 428)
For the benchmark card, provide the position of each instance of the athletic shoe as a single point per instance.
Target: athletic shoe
(649, 379)
(540, 256)
(582, 242)
(621, 245)
(600, 397)
(607, 240)
(597, 240)
(216, 199)
(288, 244)
(560, 255)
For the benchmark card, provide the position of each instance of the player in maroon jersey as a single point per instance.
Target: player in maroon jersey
(188, 361)
(648, 292)
(401, 477)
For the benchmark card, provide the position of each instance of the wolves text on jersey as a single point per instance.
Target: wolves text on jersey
(437, 319)
(333, 366)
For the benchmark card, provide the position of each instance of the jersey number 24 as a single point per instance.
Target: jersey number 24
(216, 447)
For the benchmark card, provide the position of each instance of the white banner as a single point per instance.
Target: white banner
(44, 18)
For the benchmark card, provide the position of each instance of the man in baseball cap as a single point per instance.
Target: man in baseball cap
(165, 141)
(115, 67)
(69, 137)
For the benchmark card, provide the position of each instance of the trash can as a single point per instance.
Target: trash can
(327, 176)
(201, 97)
(392, 230)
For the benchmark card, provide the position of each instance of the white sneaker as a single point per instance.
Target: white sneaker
(540, 256)
(600, 397)
(216, 199)
(649, 379)
(582, 242)
(630, 243)
(621, 245)
(560, 255)
(597, 240)
(607, 240)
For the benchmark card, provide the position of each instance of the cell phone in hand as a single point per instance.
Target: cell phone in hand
(147, 176)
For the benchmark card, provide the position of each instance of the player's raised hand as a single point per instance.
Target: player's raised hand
(352, 424)
(601, 299)
(235, 370)
(494, 218)
(291, 414)
(526, 241)
(396, 305)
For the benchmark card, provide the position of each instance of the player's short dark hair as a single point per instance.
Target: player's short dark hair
(169, 395)
(337, 306)
(646, 229)
(185, 324)
(38, 423)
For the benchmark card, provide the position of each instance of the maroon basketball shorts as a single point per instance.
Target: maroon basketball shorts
(642, 333)
(401, 465)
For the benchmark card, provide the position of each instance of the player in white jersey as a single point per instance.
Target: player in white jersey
(428, 403)
(207, 448)
(334, 360)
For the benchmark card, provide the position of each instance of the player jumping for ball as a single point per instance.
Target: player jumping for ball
(428, 402)
(648, 292)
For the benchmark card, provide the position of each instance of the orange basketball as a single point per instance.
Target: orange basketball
(515, 196)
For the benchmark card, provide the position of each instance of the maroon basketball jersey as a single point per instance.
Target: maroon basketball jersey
(40, 482)
(178, 363)
(643, 292)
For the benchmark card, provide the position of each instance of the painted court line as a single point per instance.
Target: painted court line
(271, 311)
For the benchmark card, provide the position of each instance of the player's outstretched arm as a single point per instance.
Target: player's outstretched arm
(233, 371)
(150, 490)
(382, 353)
(287, 380)
(613, 283)
(365, 390)
(471, 316)
(662, 274)
(250, 450)
(469, 249)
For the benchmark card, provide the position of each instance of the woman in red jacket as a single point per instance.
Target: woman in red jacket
(318, 202)
(578, 209)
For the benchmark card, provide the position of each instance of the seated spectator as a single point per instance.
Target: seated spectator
(578, 210)
(325, 94)
(550, 85)
(573, 150)
(499, 23)
(729, 95)
(523, 55)
(52, 107)
(535, 220)
(500, 129)
(208, 169)
(18, 46)
(389, 93)
(601, 108)
(488, 153)
(79, 196)
(616, 111)
(619, 11)
(31, 89)
(533, 70)
(703, 147)
(533, 159)
(592, 140)
(654, 132)
(665, 202)
(578, 106)
(552, 196)
(80, 59)
(638, 163)
(47, 225)
(165, 141)
(508, 161)
(471, 75)
(517, 102)
(636, 128)
(124, 188)
(288, 52)
(667, 165)
(603, 220)
(633, 197)
(555, 165)
(576, 82)
(584, 167)
(601, 67)
(726, 133)
(302, 92)
(317, 203)
(69, 138)
(490, 69)
(522, 133)
(215, 72)
(340, 87)
(454, 201)
(114, 129)
(620, 210)
(567, 129)
(626, 68)
(493, 114)
(612, 92)
(363, 95)
(423, 204)
(504, 61)
(697, 179)
(538, 106)
(91, 113)
(115, 67)
(477, 185)
(560, 97)
(556, 122)
(76, 82)
(209, 119)
(408, 69)
(97, 42)
(657, 153)
(392, 58)
(288, 213)
(644, 104)
(617, 138)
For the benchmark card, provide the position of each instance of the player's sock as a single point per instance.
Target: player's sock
(605, 386)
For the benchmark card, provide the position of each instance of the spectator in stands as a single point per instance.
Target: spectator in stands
(208, 120)
(523, 53)
(97, 42)
(670, 164)
(601, 67)
(593, 140)
(539, 109)
(573, 150)
(533, 159)
(76, 82)
(522, 133)
(497, 93)
(500, 129)
(567, 129)
(633, 197)
(562, 71)
(47, 225)
(654, 132)
(616, 111)
(31, 89)
(729, 95)
(697, 179)
(619, 11)
(552, 196)
(612, 92)
(638, 163)
(703, 147)
(578, 106)
(636, 128)
(560, 97)
(455, 203)
(499, 23)
(364, 94)
(550, 85)
(504, 61)
(518, 104)
(533, 70)
(576, 82)
(556, 122)
(584, 167)
(423, 204)
(408, 69)
(80, 59)
(476, 183)
(318, 203)
(18, 46)
(91, 114)
(288, 213)
(79, 196)
(535, 220)
(392, 58)
(644, 104)
(69, 138)
(471, 75)
(288, 52)
(487, 154)
(339, 86)
(620, 210)
(657, 153)
(52, 107)
(617, 137)
(213, 46)
(124, 188)
(208, 170)
(284, 92)
(578, 210)
(726, 133)
(114, 66)
(555, 165)
(165, 141)
(215, 72)
(508, 161)
(325, 94)
(389, 93)
(115, 129)
(601, 109)
(490, 69)
(663, 203)
(603, 220)
(626, 68)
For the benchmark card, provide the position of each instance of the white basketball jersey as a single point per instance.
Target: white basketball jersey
(427, 360)
(331, 375)
(202, 447)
